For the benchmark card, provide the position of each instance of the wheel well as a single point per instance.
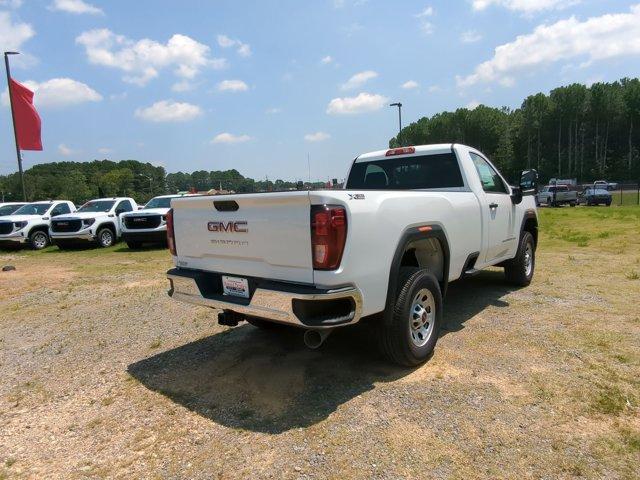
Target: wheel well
(531, 226)
(425, 253)
(108, 225)
(39, 228)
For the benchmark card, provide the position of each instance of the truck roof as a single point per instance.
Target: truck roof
(419, 149)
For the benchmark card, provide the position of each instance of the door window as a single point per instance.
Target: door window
(491, 181)
(124, 206)
(60, 209)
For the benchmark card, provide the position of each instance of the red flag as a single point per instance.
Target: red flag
(27, 120)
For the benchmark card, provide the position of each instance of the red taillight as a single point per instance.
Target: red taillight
(328, 235)
(171, 237)
(400, 151)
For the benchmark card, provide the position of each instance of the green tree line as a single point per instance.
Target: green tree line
(82, 181)
(575, 131)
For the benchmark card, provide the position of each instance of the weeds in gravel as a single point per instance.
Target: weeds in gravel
(632, 275)
(610, 401)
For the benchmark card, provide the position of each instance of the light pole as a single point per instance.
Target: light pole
(399, 105)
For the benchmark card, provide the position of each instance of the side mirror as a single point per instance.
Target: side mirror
(516, 195)
(528, 182)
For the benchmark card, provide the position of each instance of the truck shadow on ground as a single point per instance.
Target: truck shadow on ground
(268, 381)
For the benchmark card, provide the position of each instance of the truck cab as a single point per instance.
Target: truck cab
(96, 222)
(29, 224)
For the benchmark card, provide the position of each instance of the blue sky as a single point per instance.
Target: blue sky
(258, 85)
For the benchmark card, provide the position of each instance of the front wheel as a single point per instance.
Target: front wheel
(106, 238)
(519, 270)
(39, 240)
(409, 337)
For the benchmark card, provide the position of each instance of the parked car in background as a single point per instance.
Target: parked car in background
(603, 184)
(595, 196)
(97, 221)
(149, 224)
(556, 195)
(7, 208)
(29, 224)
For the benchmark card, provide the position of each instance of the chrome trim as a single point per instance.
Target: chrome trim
(275, 305)
(72, 236)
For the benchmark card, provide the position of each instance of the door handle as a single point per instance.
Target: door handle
(493, 206)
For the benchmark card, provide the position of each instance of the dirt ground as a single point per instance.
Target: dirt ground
(103, 376)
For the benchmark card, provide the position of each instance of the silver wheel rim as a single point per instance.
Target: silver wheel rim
(422, 317)
(106, 238)
(528, 259)
(39, 240)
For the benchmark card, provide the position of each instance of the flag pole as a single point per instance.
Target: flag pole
(13, 119)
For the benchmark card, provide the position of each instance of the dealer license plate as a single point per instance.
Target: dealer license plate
(235, 286)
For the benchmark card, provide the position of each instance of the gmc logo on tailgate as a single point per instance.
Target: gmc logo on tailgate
(229, 227)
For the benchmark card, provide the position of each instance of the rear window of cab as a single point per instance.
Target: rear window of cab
(408, 173)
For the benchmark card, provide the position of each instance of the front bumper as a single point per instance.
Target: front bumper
(13, 239)
(145, 236)
(298, 305)
(72, 237)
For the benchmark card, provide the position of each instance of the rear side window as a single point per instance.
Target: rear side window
(409, 173)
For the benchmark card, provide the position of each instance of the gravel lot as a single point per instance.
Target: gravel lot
(103, 376)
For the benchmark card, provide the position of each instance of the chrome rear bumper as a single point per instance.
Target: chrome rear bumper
(290, 304)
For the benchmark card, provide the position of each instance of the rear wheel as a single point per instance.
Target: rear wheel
(39, 239)
(519, 270)
(106, 238)
(410, 336)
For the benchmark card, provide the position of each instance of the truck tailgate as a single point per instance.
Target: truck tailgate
(274, 243)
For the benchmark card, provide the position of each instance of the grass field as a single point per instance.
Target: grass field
(103, 376)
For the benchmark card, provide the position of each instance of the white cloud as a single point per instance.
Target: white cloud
(358, 80)
(470, 36)
(326, 60)
(169, 111)
(473, 104)
(592, 40)
(105, 150)
(524, 6)
(64, 150)
(434, 89)
(273, 110)
(232, 86)
(141, 60)
(243, 49)
(75, 6)
(410, 84)
(183, 86)
(317, 137)
(425, 25)
(427, 12)
(58, 92)
(364, 102)
(13, 35)
(118, 96)
(230, 138)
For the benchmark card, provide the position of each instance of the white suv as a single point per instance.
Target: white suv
(97, 221)
(148, 225)
(29, 224)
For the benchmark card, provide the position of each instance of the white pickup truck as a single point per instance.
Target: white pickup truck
(409, 221)
(97, 222)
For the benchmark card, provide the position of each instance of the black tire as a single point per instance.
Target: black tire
(39, 239)
(396, 337)
(134, 245)
(572, 204)
(517, 270)
(105, 237)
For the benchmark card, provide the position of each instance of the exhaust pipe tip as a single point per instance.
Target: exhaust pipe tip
(313, 339)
